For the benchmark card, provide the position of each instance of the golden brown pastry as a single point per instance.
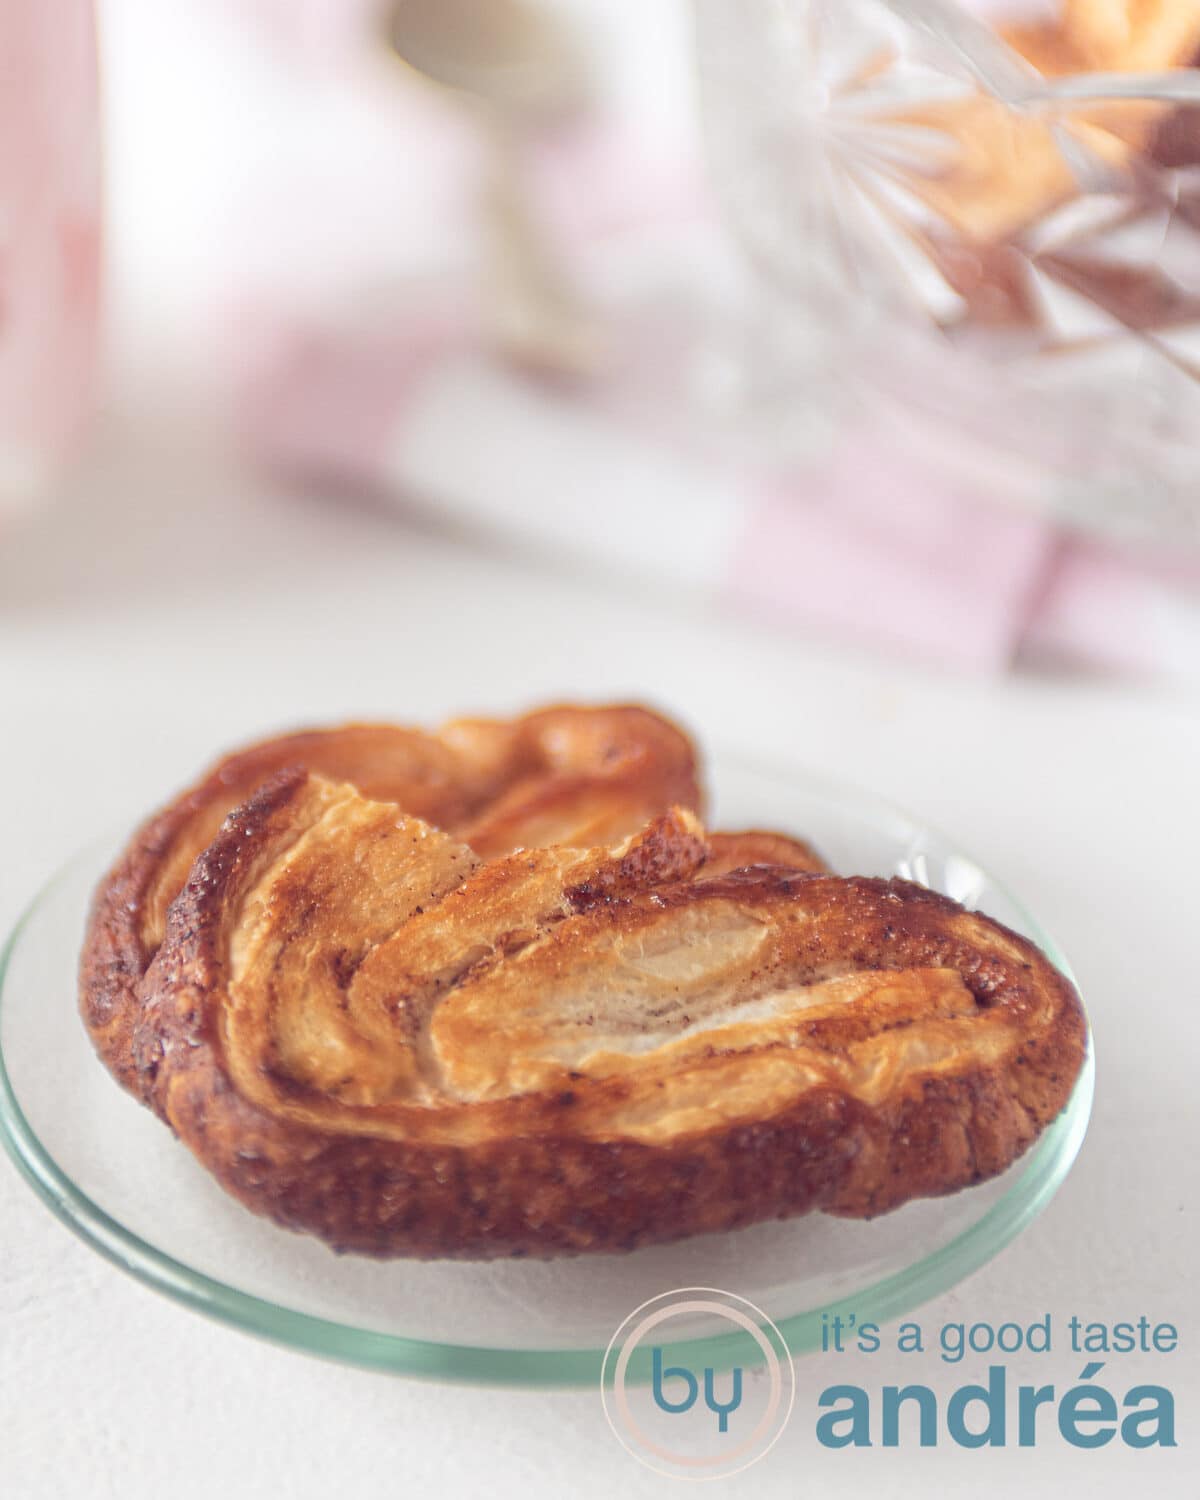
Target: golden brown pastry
(561, 775)
(1132, 36)
(367, 1031)
(737, 851)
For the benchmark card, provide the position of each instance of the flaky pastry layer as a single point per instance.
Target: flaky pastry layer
(368, 1032)
(565, 774)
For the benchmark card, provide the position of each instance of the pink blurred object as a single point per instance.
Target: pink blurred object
(873, 546)
(1103, 611)
(883, 549)
(49, 238)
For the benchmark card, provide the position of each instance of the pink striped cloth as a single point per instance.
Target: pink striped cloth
(870, 545)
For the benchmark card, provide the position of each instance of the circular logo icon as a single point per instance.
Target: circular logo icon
(697, 1383)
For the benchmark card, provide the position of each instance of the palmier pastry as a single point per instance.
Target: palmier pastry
(368, 1032)
(1008, 167)
(560, 775)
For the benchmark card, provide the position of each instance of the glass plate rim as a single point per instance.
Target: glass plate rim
(1045, 1167)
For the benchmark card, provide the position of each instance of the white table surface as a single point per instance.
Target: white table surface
(171, 606)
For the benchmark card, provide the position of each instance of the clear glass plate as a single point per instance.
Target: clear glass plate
(111, 1171)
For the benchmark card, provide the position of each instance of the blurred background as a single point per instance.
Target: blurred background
(875, 323)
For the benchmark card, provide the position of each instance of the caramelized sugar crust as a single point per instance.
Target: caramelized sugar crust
(564, 774)
(736, 851)
(368, 1032)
